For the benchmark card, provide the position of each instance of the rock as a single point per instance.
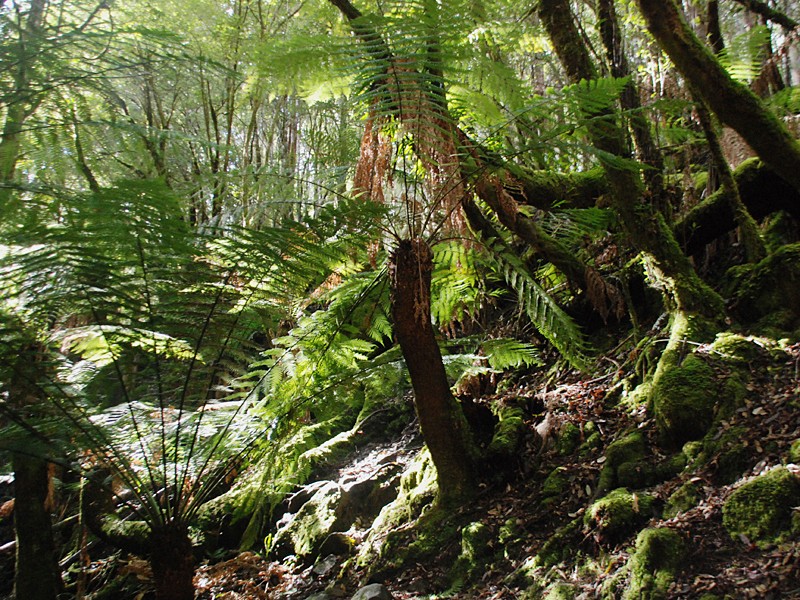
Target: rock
(618, 515)
(373, 591)
(323, 567)
(320, 596)
(761, 509)
(653, 565)
(630, 449)
(683, 401)
(315, 521)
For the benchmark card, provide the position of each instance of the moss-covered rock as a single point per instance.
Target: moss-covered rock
(509, 431)
(725, 448)
(630, 449)
(476, 550)
(380, 550)
(683, 400)
(558, 547)
(684, 498)
(560, 591)
(568, 439)
(313, 523)
(653, 565)
(761, 509)
(739, 348)
(794, 452)
(556, 483)
(768, 293)
(617, 515)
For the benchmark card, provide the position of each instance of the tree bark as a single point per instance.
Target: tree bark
(645, 227)
(762, 192)
(173, 563)
(443, 425)
(37, 575)
(732, 101)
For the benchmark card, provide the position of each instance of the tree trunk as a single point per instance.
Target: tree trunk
(732, 101)
(173, 563)
(645, 226)
(37, 576)
(442, 423)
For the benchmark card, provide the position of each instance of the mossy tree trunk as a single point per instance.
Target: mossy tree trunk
(37, 575)
(441, 420)
(646, 227)
(733, 102)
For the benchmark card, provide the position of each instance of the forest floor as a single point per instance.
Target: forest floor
(714, 562)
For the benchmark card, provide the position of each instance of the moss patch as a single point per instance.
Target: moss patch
(762, 508)
(683, 401)
(476, 550)
(794, 452)
(684, 498)
(509, 432)
(617, 515)
(556, 483)
(568, 440)
(769, 292)
(629, 450)
(653, 565)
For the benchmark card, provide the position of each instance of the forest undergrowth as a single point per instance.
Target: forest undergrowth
(535, 538)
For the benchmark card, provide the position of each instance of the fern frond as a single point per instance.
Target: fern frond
(548, 318)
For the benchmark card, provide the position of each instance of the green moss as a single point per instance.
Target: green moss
(762, 508)
(768, 293)
(630, 449)
(691, 450)
(794, 452)
(592, 443)
(558, 547)
(739, 348)
(683, 400)
(556, 482)
(726, 449)
(510, 531)
(684, 498)
(658, 555)
(560, 591)
(617, 515)
(314, 522)
(475, 552)
(569, 438)
(384, 547)
(509, 431)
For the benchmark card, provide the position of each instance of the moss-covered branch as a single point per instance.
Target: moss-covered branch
(762, 192)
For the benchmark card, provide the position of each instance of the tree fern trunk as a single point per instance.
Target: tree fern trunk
(443, 425)
(172, 563)
(37, 575)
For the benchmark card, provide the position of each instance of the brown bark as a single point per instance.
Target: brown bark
(732, 101)
(442, 423)
(37, 575)
(173, 563)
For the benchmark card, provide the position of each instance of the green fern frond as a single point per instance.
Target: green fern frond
(506, 353)
(744, 55)
(548, 318)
